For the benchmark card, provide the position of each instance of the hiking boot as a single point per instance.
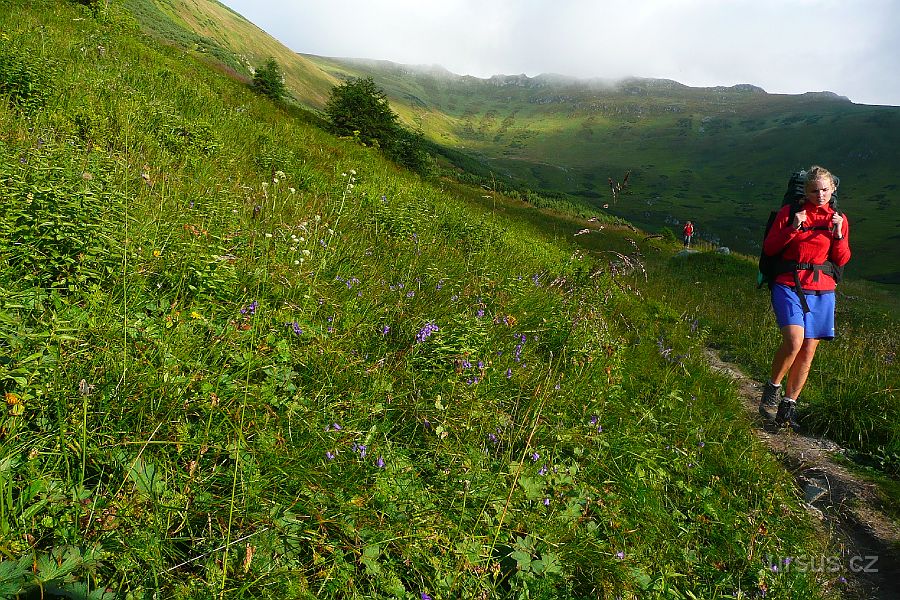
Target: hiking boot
(787, 415)
(769, 401)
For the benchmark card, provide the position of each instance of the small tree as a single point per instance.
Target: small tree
(408, 149)
(360, 108)
(268, 80)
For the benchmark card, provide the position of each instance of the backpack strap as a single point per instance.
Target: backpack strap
(792, 266)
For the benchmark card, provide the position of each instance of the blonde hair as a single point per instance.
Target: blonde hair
(815, 173)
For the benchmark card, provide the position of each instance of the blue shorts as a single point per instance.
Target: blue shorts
(818, 323)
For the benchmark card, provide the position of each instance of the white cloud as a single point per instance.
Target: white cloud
(784, 46)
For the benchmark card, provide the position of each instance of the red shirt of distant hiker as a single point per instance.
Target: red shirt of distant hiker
(688, 233)
(802, 242)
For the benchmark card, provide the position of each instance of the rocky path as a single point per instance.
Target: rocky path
(847, 506)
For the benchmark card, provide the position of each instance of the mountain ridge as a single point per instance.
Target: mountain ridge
(718, 155)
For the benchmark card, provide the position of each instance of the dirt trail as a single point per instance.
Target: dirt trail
(847, 506)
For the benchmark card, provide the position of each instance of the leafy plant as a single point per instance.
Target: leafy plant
(59, 229)
(268, 80)
(360, 109)
(26, 80)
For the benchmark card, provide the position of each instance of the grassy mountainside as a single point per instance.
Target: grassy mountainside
(718, 156)
(244, 359)
(207, 27)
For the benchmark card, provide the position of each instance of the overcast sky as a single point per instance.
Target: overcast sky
(850, 47)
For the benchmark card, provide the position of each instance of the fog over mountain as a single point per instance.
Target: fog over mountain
(790, 46)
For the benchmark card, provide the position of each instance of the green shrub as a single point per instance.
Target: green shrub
(668, 235)
(360, 109)
(269, 81)
(26, 80)
(59, 229)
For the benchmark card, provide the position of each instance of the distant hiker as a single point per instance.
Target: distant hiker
(806, 242)
(688, 234)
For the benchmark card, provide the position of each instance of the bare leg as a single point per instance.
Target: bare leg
(800, 368)
(791, 343)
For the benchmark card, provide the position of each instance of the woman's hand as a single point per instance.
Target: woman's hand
(837, 225)
(799, 219)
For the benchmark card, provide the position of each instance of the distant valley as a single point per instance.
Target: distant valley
(719, 156)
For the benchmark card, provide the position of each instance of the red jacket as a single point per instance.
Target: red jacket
(814, 246)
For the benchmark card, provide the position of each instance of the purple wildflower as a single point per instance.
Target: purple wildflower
(535, 457)
(385, 330)
(594, 419)
(546, 501)
(379, 463)
(543, 471)
(620, 555)
(336, 427)
(295, 327)
(426, 332)
(424, 596)
(250, 309)
(480, 312)
(509, 373)
(329, 455)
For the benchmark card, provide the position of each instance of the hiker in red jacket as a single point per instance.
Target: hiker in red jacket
(688, 234)
(815, 235)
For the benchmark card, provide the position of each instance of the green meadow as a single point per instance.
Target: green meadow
(718, 156)
(242, 358)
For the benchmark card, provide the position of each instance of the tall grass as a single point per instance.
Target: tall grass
(246, 359)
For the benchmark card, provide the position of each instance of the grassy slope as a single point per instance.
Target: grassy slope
(222, 32)
(717, 157)
(720, 157)
(192, 304)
